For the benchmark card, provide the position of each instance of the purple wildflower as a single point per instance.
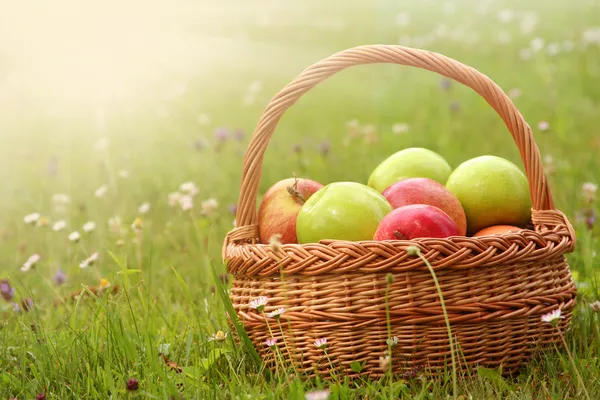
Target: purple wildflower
(325, 148)
(60, 277)
(590, 219)
(232, 209)
(445, 84)
(455, 106)
(27, 304)
(221, 134)
(239, 135)
(7, 291)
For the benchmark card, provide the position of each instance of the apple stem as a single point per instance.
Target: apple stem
(399, 235)
(294, 191)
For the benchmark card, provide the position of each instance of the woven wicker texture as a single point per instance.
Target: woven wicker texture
(495, 288)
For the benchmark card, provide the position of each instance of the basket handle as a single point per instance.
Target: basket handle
(369, 54)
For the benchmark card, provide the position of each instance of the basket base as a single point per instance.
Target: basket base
(420, 349)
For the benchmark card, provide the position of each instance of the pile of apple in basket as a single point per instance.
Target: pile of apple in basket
(412, 194)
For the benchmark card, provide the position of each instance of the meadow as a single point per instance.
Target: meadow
(107, 276)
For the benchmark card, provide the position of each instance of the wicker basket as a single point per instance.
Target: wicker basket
(495, 288)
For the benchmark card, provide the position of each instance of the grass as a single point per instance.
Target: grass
(82, 341)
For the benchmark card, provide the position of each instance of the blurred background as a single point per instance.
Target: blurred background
(130, 99)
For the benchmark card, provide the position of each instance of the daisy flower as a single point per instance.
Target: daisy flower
(114, 224)
(89, 227)
(74, 236)
(317, 395)
(137, 224)
(189, 188)
(104, 284)
(30, 263)
(174, 198)
(209, 206)
(276, 313)
(144, 208)
(400, 128)
(259, 303)
(552, 317)
(59, 225)
(91, 260)
(101, 191)
(186, 202)
(271, 342)
(321, 343)
(32, 218)
(218, 337)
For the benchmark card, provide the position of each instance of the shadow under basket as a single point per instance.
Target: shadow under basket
(356, 295)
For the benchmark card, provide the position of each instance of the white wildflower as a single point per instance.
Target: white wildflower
(30, 263)
(74, 236)
(384, 363)
(144, 208)
(32, 218)
(537, 44)
(543, 126)
(591, 36)
(89, 227)
(59, 225)
(553, 49)
(174, 198)
(114, 224)
(218, 337)
(209, 206)
(552, 317)
(393, 341)
(276, 313)
(186, 202)
(321, 343)
(259, 303)
(189, 188)
(400, 128)
(317, 395)
(61, 199)
(101, 191)
(91, 260)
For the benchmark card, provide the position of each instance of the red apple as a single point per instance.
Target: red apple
(430, 192)
(416, 221)
(279, 208)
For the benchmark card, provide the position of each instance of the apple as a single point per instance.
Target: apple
(414, 162)
(341, 211)
(416, 221)
(492, 191)
(279, 208)
(430, 192)
(497, 230)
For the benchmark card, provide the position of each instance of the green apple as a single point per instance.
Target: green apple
(492, 191)
(414, 162)
(341, 211)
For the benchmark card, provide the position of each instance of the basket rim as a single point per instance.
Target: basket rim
(552, 237)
